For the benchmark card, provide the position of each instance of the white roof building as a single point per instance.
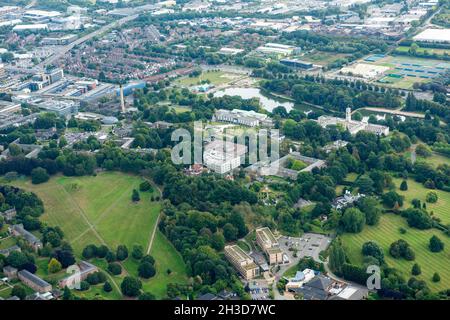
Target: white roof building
(351, 125)
(31, 14)
(433, 35)
(30, 27)
(223, 156)
(230, 51)
(242, 117)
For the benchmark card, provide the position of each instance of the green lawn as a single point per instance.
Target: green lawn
(103, 201)
(214, 77)
(166, 258)
(441, 209)
(436, 159)
(7, 243)
(96, 293)
(322, 57)
(421, 50)
(387, 231)
(99, 210)
(5, 292)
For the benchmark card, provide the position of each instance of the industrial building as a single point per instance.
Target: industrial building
(63, 40)
(7, 107)
(278, 49)
(30, 27)
(242, 262)
(270, 246)
(62, 108)
(434, 35)
(40, 16)
(298, 64)
(230, 51)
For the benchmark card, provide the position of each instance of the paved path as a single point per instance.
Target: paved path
(84, 216)
(155, 228)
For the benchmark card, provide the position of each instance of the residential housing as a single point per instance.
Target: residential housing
(270, 246)
(242, 262)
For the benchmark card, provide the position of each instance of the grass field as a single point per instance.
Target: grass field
(438, 52)
(99, 210)
(441, 209)
(92, 209)
(7, 243)
(214, 77)
(167, 258)
(435, 160)
(387, 231)
(322, 57)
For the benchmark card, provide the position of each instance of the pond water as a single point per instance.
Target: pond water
(268, 103)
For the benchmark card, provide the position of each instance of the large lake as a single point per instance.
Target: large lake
(248, 93)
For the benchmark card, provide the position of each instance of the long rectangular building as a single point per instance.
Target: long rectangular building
(353, 126)
(267, 242)
(242, 262)
(34, 282)
(242, 117)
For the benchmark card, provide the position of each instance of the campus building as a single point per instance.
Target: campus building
(242, 262)
(300, 278)
(85, 269)
(9, 214)
(33, 241)
(34, 282)
(297, 64)
(223, 157)
(351, 125)
(242, 117)
(267, 242)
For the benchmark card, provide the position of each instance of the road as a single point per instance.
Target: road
(309, 245)
(62, 51)
(394, 112)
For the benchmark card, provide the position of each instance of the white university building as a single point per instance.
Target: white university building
(223, 157)
(242, 117)
(351, 125)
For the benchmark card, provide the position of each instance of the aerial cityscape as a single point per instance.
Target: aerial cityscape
(224, 150)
